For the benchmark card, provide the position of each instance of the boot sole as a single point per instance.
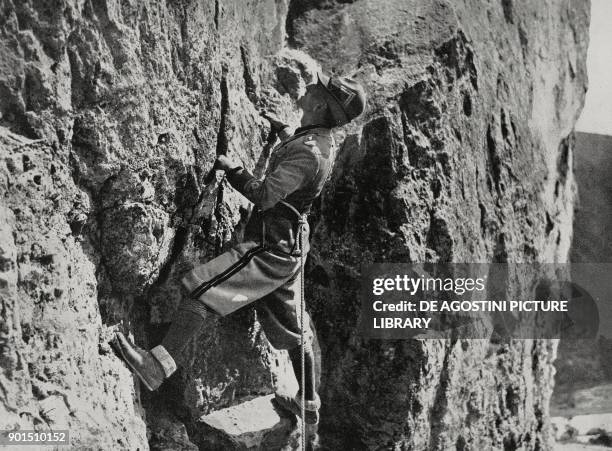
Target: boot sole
(117, 347)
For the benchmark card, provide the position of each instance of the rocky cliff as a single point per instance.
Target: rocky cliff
(112, 112)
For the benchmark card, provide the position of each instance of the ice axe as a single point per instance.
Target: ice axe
(210, 175)
(275, 127)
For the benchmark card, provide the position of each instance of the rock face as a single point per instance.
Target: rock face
(112, 114)
(254, 424)
(466, 158)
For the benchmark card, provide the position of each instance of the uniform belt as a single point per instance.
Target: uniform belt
(293, 209)
(301, 217)
(288, 211)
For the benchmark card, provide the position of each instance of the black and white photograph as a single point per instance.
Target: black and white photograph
(277, 225)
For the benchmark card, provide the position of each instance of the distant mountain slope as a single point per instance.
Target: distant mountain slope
(587, 363)
(593, 212)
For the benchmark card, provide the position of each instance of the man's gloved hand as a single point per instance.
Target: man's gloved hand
(224, 163)
(275, 123)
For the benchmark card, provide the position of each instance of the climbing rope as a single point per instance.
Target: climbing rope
(302, 313)
(302, 222)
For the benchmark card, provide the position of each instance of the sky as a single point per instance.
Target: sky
(597, 114)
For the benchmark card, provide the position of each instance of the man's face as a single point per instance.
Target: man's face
(310, 99)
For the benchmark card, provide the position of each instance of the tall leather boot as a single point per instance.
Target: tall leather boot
(152, 367)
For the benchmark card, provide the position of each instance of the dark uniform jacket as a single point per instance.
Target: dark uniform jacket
(298, 169)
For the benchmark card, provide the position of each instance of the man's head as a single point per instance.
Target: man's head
(332, 101)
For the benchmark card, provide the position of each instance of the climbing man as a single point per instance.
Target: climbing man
(267, 266)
